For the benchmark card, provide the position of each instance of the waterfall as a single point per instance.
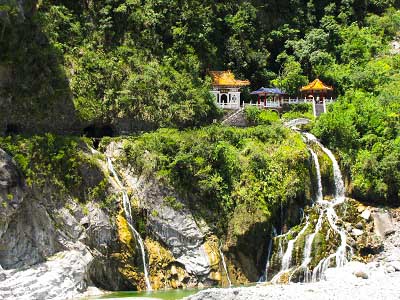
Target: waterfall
(287, 257)
(128, 214)
(308, 248)
(264, 277)
(337, 175)
(224, 265)
(326, 211)
(271, 241)
(318, 171)
(340, 254)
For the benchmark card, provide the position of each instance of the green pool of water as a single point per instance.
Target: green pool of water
(164, 295)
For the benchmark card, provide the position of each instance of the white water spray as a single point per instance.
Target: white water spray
(340, 254)
(314, 156)
(271, 241)
(128, 214)
(224, 265)
(287, 257)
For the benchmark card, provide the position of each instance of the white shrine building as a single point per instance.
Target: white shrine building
(226, 89)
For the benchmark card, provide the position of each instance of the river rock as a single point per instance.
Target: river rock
(356, 232)
(361, 274)
(366, 214)
(383, 223)
(390, 269)
(396, 265)
(63, 276)
(359, 225)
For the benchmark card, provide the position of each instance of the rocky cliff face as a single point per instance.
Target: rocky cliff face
(47, 238)
(192, 251)
(54, 245)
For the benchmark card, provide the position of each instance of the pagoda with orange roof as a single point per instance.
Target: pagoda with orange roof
(317, 92)
(226, 89)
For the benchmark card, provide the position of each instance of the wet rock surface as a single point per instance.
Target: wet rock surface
(63, 276)
(377, 279)
(173, 224)
(51, 246)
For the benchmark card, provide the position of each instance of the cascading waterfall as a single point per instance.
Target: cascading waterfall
(128, 214)
(314, 156)
(337, 175)
(287, 257)
(308, 248)
(224, 265)
(327, 212)
(271, 241)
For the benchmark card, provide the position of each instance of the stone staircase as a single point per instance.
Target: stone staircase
(236, 119)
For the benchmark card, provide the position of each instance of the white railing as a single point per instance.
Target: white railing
(264, 105)
(275, 104)
(272, 104)
(229, 105)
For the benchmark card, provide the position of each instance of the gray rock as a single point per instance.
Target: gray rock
(12, 191)
(359, 225)
(396, 265)
(63, 276)
(176, 228)
(366, 214)
(356, 232)
(361, 274)
(383, 224)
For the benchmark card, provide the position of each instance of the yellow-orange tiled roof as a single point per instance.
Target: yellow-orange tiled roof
(316, 85)
(226, 78)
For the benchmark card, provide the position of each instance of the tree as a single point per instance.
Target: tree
(291, 78)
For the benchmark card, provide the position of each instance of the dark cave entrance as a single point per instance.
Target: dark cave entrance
(97, 132)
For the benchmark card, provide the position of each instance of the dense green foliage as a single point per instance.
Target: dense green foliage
(364, 125)
(57, 165)
(147, 60)
(221, 170)
(256, 116)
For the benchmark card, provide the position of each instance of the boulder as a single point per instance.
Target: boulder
(383, 225)
(361, 274)
(356, 232)
(63, 276)
(396, 265)
(390, 269)
(359, 225)
(366, 215)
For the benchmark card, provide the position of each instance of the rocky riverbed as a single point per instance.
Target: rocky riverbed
(377, 279)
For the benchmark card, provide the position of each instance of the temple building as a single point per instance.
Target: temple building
(226, 89)
(317, 92)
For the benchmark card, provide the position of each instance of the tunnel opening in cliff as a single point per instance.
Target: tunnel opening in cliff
(97, 132)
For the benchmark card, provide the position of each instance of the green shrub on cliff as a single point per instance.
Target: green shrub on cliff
(58, 165)
(218, 169)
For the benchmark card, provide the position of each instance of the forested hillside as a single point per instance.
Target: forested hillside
(146, 61)
(117, 171)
